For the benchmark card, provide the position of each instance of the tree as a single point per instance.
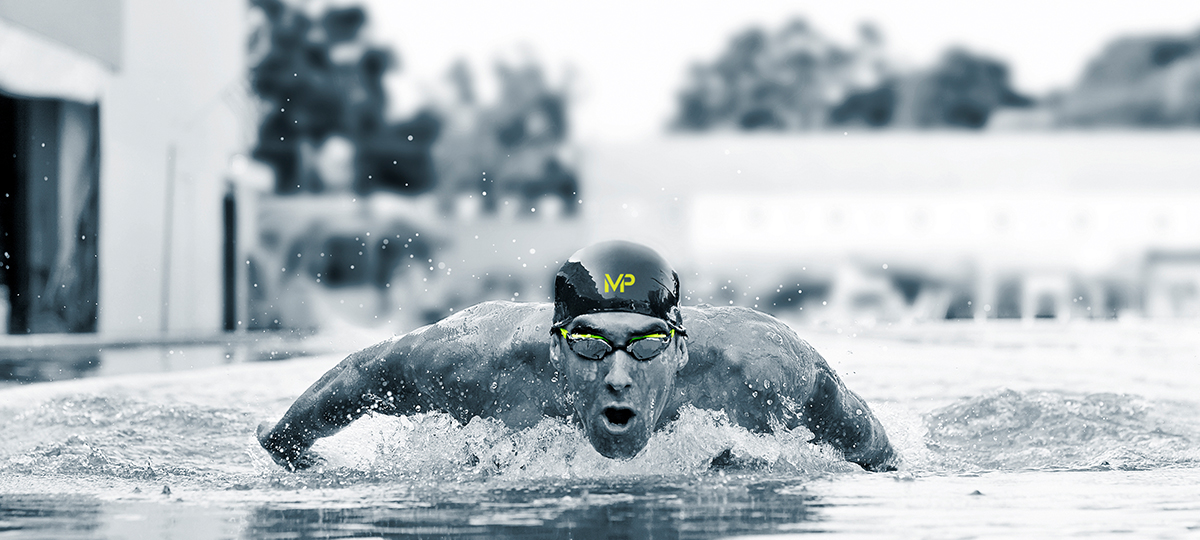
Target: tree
(321, 79)
(512, 147)
(786, 80)
(962, 91)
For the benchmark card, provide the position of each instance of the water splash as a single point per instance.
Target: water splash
(436, 447)
(122, 439)
(89, 438)
(1006, 429)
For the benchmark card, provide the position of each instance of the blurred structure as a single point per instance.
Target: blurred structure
(119, 118)
(391, 224)
(909, 226)
(167, 183)
(1145, 81)
(901, 227)
(118, 121)
(1172, 283)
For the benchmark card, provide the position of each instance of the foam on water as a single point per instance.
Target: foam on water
(103, 440)
(1006, 430)
(135, 453)
(108, 445)
(436, 446)
(123, 436)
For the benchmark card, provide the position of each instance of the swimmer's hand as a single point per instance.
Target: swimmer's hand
(292, 456)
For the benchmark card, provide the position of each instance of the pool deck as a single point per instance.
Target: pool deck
(54, 344)
(49, 357)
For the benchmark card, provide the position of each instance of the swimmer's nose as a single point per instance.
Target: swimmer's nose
(618, 376)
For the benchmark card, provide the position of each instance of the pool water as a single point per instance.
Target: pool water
(1083, 429)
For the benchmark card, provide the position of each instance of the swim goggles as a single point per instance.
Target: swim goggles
(597, 347)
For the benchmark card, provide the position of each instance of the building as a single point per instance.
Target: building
(983, 225)
(121, 118)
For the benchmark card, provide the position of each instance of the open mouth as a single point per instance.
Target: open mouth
(618, 418)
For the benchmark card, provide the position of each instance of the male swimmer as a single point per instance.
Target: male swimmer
(615, 351)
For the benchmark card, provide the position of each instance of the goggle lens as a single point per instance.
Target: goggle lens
(647, 347)
(589, 347)
(596, 347)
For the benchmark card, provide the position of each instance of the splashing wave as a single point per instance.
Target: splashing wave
(121, 439)
(1006, 429)
(82, 436)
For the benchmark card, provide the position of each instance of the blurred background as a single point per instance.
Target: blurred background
(188, 183)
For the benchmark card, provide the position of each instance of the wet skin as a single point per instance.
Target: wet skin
(500, 359)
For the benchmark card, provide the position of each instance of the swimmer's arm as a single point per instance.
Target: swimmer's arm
(339, 397)
(388, 378)
(839, 417)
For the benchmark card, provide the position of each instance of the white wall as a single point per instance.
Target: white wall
(181, 84)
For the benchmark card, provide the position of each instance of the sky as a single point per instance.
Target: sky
(627, 60)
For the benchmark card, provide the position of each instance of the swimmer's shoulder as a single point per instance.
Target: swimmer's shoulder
(745, 362)
(741, 336)
(500, 330)
(485, 336)
(487, 326)
(513, 341)
(515, 323)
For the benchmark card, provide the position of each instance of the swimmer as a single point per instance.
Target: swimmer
(615, 352)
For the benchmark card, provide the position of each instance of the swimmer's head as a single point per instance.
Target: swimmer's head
(618, 341)
(617, 276)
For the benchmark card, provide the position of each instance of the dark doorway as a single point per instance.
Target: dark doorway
(49, 214)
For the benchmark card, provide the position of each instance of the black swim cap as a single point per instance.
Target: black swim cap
(617, 276)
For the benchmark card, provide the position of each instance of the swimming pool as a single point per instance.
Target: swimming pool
(1082, 429)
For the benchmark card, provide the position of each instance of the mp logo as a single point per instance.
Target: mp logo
(618, 284)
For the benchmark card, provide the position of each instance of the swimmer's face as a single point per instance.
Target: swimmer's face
(618, 397)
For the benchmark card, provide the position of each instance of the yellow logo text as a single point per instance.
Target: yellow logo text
(618, 284)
